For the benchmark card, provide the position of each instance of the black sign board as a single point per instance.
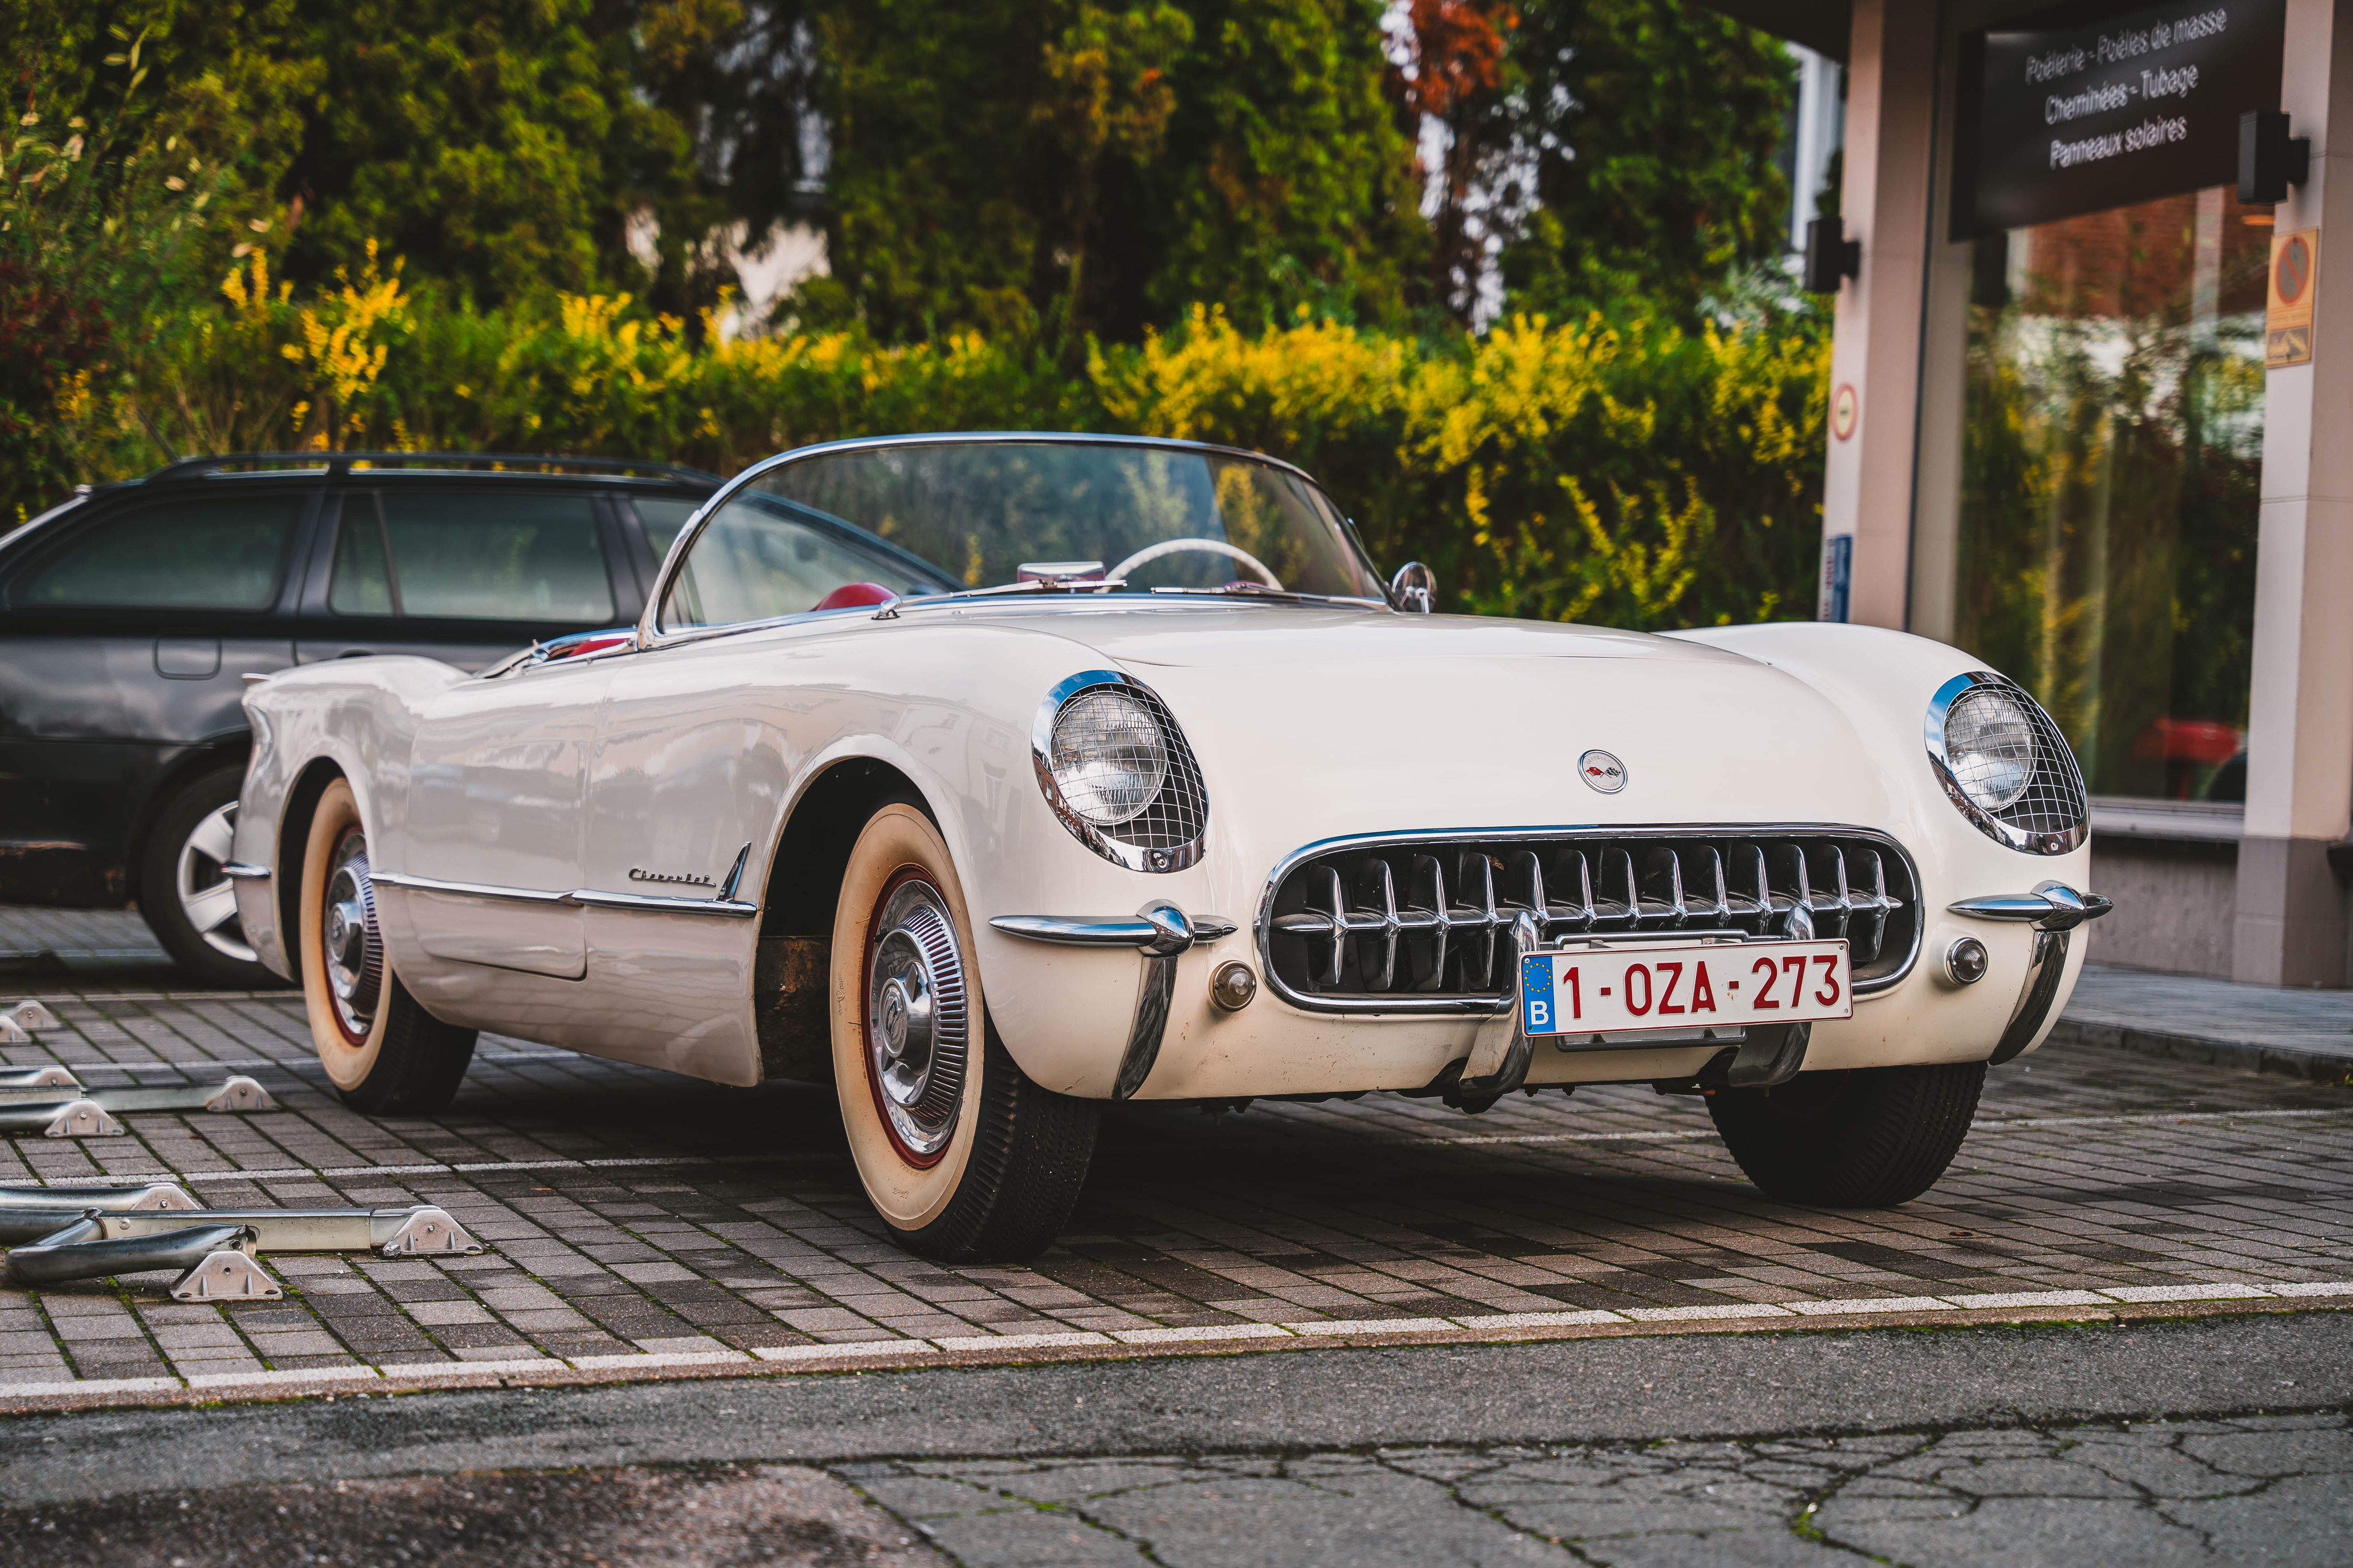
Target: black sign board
(2068, 120)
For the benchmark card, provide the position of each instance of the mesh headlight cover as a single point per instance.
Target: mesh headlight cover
(1990, 747)
(1109, 756)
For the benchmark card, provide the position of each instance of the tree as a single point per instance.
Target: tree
(1647, 130)
(1012, 165)
(509, 147)
(1453, 80)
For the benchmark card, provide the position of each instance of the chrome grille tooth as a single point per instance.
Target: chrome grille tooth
(1622, 914)
(1427, 915)
(1791, 889)
(1336, 906)
(1665, 868)
(1719, 907)
(1376, 887)
(1754, 909)
(1477, 875)
(1585, 913)
(1527, 888)
(1873, 934)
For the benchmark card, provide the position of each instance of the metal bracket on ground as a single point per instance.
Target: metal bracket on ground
(64, 1240)
(58, 1119)
(111, 1200)
(31, 1101)
(17, 1022)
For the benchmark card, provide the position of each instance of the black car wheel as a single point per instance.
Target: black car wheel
(189, 903)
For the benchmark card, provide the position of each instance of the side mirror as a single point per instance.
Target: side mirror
(1414, 590)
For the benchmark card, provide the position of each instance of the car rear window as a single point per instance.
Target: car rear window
(496, 556)
(212, 554)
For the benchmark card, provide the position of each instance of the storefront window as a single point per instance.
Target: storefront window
(2112, 459)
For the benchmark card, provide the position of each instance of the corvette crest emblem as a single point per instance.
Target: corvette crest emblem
(1602, 771)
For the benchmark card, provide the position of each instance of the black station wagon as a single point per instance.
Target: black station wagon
(130, 615)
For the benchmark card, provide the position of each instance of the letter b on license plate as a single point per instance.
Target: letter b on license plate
(1603, 989)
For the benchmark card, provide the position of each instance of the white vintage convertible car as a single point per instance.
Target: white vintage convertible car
(995, 778)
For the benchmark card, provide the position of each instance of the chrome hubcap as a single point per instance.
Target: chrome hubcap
(348, 938)
(917, 1034)
(208, 897)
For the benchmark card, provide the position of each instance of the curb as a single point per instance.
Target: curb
(2247, 1056)
(2115, 1304)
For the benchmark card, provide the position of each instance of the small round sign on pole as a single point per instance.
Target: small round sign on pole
(1843, 411)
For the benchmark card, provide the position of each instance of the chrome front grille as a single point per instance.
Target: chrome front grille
(1421, 922)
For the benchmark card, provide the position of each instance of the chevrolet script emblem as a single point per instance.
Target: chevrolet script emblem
(1602, 771)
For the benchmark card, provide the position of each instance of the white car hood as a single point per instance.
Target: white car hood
(1329, 722)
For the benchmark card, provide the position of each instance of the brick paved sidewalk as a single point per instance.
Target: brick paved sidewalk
(2192, 1017)
(638, 1220)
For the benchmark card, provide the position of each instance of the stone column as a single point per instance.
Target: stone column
(1867, 490)
(2291, 915)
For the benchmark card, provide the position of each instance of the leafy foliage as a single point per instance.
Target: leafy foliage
(1018, 167)
(506, 146)
(1618, 468)
(1651, 127)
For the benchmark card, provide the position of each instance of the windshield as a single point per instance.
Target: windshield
(1164, 518)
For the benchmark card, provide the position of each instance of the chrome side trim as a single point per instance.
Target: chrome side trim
(1075, 932)
(467, 890)
(238, 871)
(579, 898)
(2055, 907)
(1481, 1006)
(651, 904)
(2006, 834)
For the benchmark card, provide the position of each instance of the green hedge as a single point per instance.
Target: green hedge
(1618, 469)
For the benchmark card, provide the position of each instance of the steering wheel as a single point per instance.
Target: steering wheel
(1208, 546)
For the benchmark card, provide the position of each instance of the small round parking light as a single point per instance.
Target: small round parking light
(1232, 985)
(1965, 961)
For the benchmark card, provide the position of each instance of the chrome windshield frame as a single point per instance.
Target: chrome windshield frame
(650, 634)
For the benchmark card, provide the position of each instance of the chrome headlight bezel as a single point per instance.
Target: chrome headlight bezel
(1166, 833)
(2051, 815)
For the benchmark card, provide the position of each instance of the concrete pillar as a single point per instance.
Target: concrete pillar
(2290, 928)
(1867, 490)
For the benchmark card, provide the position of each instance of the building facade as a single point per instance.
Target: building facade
(2091, 418)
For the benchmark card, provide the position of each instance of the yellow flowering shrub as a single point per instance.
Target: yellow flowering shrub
(1617, 468)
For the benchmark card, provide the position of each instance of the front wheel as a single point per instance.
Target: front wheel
(1863, 1138)
(963, 1156)
(385, 1054)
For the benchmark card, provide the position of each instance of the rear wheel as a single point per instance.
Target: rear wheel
(184, 895)
(965, 1158)
(1865, 1138)
(384, 1054)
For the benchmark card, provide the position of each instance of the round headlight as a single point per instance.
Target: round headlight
(1990, 747)
(1108, 755)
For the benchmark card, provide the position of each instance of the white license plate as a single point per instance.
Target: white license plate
(1610, 989)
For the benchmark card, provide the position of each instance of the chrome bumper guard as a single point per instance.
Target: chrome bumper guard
(2055, 910)
(1162, 932)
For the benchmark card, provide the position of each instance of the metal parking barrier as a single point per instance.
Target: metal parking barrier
(61, 1234)
(51, 1102)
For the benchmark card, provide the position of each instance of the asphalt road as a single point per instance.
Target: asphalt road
(2070, 1433)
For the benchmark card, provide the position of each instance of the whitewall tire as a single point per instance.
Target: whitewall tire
(962, 1156)
(384, 1054)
